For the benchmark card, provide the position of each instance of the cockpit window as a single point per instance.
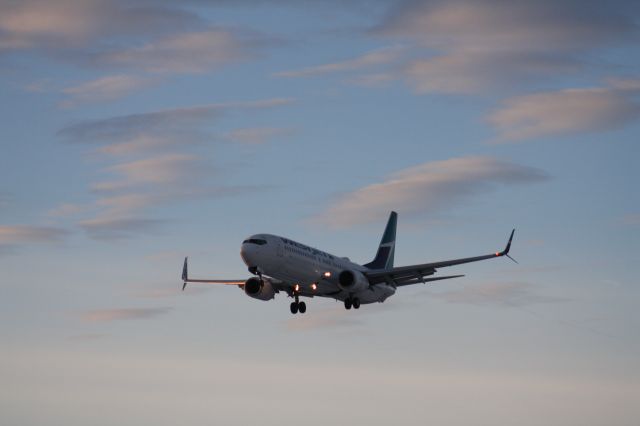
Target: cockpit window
(257, 241)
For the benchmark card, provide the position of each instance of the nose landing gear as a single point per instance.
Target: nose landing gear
(297, 306)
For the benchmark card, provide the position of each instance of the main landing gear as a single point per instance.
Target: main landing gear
(298, 306)
(351, 301)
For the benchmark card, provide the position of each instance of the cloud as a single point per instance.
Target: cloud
(19, 234)
(563, 112)
(157, 123)
(107, 315)
(469, 46)
(373, 58)
(257, 135)
(66, 210)
(514, 294)
(105, 227)
(147, 172)
(105, 89)
(473, 46)
(426, 189)
(492, 25)
(191, 52)
(473, 72)
(167, 170)
(12, 236)
(64, 24)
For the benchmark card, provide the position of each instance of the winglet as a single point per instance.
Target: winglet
(508, 247)
(505, 252)
(185, 274)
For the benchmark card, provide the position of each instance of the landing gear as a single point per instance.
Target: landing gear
(298, 306)
(347, 303)
(351, 302)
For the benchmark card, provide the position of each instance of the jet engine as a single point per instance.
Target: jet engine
(352, 281)
(260, 289)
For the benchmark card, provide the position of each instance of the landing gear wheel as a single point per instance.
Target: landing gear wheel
(302, 307)
(347, 303)
(356, 303)
(294, 307)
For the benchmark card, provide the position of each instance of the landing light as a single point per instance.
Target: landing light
(296, 288)
(314, 286)
(327, 274)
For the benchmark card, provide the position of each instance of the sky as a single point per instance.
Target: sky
(135, 133)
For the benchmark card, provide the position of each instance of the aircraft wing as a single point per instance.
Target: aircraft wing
(414, 274)
(186, 279)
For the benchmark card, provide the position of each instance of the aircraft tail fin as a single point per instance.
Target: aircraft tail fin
(386, 249)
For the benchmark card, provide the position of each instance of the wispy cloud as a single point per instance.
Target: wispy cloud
(67, 209)
(107, 315)
(566, 112)
(370, 59)
(65, 24)
(472, 46)
(488, 43)
(148, 172)
(191, 52)
(426, 189)
(18, 234)
(257, 135)
(13, 236)
(167, 170)
(105, 89)
(514, 294)
(106, 227)
(157, 123)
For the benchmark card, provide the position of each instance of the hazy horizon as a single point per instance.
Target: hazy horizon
(135, 133)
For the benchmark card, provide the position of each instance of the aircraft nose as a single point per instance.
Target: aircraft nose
(247, 252)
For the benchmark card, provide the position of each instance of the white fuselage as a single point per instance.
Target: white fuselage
(295, 263)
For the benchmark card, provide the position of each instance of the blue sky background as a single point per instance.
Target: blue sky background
(136, 133)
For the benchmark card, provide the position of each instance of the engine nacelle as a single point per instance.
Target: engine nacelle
(352, 281)
(259, 289)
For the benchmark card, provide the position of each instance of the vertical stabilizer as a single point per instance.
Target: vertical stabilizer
(384, 256)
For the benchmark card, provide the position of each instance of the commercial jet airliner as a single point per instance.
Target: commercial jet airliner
(283, 265)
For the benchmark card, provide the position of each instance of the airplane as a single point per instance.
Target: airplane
(283, 265)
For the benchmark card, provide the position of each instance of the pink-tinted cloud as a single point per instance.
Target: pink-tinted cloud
(18, 234)
(107, 315)
(58, 24)
(105, 89)
(426, 189)
(565, 112)
(370, 59)
(191, 52)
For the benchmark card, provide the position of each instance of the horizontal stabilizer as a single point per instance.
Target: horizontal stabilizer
(186, 279)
